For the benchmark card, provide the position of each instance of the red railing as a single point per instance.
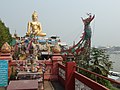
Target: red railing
(98, 75)
(60, 78)
(71, 75)
(88, 83)
(48, 73)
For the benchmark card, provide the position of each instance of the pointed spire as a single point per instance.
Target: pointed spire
(6, 48)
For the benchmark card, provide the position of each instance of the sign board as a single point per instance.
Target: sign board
(3, 73)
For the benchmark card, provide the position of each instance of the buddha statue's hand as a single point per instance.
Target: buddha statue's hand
(28, 33)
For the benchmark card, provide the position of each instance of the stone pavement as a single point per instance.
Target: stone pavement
(49, 85)
(57, 85)
(53, 85)
(2, 88)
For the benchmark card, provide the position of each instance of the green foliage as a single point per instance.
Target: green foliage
(5, 35)
(97, 62)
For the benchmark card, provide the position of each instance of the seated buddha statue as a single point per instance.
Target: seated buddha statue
(34, 27)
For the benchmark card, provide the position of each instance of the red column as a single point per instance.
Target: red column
(56, 58)
(70, 81)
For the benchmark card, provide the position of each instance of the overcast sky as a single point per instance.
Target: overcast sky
(63, 18)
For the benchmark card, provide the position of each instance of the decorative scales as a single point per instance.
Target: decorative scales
(84, 44)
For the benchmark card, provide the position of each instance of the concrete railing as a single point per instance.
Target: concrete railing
(116, 83)
(82, 82)
(51, 69)
(61, 74)
(72, 80)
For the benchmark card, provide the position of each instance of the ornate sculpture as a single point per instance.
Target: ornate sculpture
(34, 27)
(84, 43)
(87, 29)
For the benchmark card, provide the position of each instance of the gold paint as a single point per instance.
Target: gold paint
(34, 27)
(6, 48)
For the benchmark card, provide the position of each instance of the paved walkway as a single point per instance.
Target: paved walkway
(57, 85)
(2, 88)
(48, 85)
(54, 85)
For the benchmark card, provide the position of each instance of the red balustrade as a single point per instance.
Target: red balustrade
(61, 74)
(74, 80)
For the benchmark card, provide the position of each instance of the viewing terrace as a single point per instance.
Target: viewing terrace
(59, 76)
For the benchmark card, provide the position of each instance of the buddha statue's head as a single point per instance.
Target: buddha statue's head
(34, 16)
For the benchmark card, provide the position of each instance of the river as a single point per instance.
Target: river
(116, 59)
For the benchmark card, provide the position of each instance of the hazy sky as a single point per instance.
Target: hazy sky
(63, 18)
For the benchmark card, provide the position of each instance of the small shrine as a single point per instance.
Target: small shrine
(5, 53)
(6, 48)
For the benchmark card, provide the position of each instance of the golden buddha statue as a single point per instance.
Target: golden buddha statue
(34, 27)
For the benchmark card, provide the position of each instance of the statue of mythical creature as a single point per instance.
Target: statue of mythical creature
(34, 27)
(87, 28)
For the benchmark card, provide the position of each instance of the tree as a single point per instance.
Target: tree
(99, 63)
(5, 35)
